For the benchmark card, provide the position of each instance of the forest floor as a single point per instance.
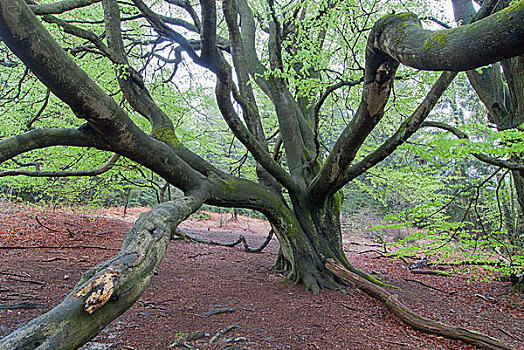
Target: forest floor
(232, 297)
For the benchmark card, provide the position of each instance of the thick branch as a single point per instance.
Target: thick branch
(59, 7)
(488, 83)
(260, 154)
(407, 315)
(129, 80)
(30, 41)
(109, 289)
(404, 132)
(42, 138)
(487, 41)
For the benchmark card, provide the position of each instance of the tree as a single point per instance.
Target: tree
(300, 196)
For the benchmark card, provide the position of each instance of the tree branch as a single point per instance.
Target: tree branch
(403, 133)
(458, 49)
(480, 156)
(93, 172)
(42, 138)
(59, 7)
(112, 286)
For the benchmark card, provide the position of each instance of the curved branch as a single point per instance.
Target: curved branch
(59, 7)
(35, 46)
(260, 154)
(29, 124)
(160, 26)
(399, 39)
(478, 44)
(129, 79)
(110, 288)
(410, 317)
(404, 132)
(42, 138)
(480, 156)
(186, 5)
(333, 88)
(93, 172)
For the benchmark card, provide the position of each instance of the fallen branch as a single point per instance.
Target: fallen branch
(111, 287)
(429, 286)
(54, 259)
(486, 298)
(24, 275)
(219, 311)
(58, 247)
(432, 273)
(372, 251)
(222, 332)
(26, 281)
(181, 341)
(467, 263)
(24, 306)
(409, 316)
(241, 239)
(509, 335)
(44, 226)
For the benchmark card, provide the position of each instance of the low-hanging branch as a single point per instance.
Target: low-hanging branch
(65, 173)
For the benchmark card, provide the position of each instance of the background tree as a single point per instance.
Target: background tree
(256, 53)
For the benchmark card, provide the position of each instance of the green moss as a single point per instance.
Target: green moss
(439, 39)
(167, 136)
(436, 41)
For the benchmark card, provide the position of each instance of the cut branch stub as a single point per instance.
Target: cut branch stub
(98, 291)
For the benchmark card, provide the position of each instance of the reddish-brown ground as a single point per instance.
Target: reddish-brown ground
(195, 281)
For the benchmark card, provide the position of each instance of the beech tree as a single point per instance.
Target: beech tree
(247, 49)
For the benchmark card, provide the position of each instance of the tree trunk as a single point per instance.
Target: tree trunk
(308, 235)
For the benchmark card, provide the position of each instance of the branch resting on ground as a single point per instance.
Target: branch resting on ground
(106, 291)
(410, 317)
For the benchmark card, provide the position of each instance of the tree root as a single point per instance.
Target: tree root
(410, 317)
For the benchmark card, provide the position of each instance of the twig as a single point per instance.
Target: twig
(219, 311)
(27, 281)
(509, 335)
(485, 298)
(222, 332)
(429, 286)
(25, 275)
(396, 343)
(372, 251)
(431, 272)
(54, 259)
(44, 226)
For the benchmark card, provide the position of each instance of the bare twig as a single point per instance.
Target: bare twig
(222, 332)
(429, 286)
